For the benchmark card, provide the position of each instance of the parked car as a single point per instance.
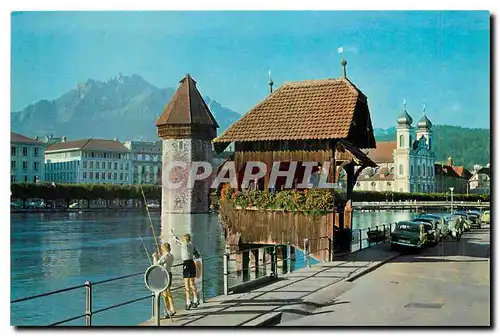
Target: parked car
(437, 223)
(35, 204)
(73, 205)
(14, 204)
(408, 234)
(485, 218)
(475, 219)
(153, 205)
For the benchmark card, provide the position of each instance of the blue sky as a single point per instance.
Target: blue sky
(440, 58)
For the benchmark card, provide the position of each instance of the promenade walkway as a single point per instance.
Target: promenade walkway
(290, 297)
(447, 285)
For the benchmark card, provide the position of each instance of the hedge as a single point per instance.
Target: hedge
(312, 199)
(322, 200)
(46, 191)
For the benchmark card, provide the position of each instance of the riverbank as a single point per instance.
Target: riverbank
(297, 293)
(51, 210)
(451, 277)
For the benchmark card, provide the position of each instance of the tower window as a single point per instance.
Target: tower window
(400, 169)
(401, 141)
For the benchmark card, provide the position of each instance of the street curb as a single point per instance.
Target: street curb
(371, 269)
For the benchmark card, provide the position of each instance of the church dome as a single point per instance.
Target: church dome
(405, 119)
(424, 122)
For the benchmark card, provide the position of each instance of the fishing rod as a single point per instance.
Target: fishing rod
(146, 249)
(151, 222)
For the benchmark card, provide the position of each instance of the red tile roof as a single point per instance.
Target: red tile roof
(461, 171)
(187, 107)
(19, 138)
(312, 109)
(89, 144)
(384, 152)
(445, 170)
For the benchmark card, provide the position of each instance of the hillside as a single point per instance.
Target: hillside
(125, 107)
(467, 146)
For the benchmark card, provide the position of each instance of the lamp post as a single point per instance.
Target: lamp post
(451, 192)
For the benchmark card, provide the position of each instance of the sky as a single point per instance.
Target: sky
(441, 59)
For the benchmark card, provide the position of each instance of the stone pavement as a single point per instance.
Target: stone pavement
(291, 296)
(447, 285)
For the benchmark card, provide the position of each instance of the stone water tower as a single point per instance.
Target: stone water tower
(186, 128)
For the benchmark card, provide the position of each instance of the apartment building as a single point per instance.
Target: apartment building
(26, 159)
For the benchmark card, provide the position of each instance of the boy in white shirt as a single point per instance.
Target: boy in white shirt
(166, 260)
(188, 253)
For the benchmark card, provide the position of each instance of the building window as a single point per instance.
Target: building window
(85, 164)
(400, 169)
(126, 177)
(121, 176)
(126, 166)
(13, 165)
(97, 165)
(423, 170)
(109, 165)
(25, 178)
(91, 175)
(411, 170)
(97, 175)
(121, 166)
(12, 178)
(35, 151)
(103, 176)
(13, 150)
(91, 165)
(25, 165)
(373, 185)
(114, 176)
(25, 151)
(85, 175)
(92, 154)
(401, 141)
(116, 166)
(36, 165)
(109, 176)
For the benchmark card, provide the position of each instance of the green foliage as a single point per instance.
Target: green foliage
(84, 191)
(467, 146)
(322, 200)
(314, 200)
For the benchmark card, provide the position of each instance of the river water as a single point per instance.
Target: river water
(51, 251)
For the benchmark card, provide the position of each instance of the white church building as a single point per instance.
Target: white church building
(406, 164)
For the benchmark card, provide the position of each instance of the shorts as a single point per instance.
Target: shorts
(188, 269)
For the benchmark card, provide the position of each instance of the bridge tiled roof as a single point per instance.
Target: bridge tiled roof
(312, 109)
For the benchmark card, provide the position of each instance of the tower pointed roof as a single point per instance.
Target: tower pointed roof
(187, 107)
(187, 115)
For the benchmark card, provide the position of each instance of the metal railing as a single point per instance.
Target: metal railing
(89, 286)
(357, 238)
(271, 250)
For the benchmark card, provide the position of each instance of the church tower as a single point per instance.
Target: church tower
(402, 152)
(424, 129)
(186, 128)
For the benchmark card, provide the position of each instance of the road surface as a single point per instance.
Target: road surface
(447, 285)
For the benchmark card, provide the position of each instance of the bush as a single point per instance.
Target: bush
(84, 191)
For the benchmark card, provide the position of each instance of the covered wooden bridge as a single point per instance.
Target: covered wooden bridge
(320, 121)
